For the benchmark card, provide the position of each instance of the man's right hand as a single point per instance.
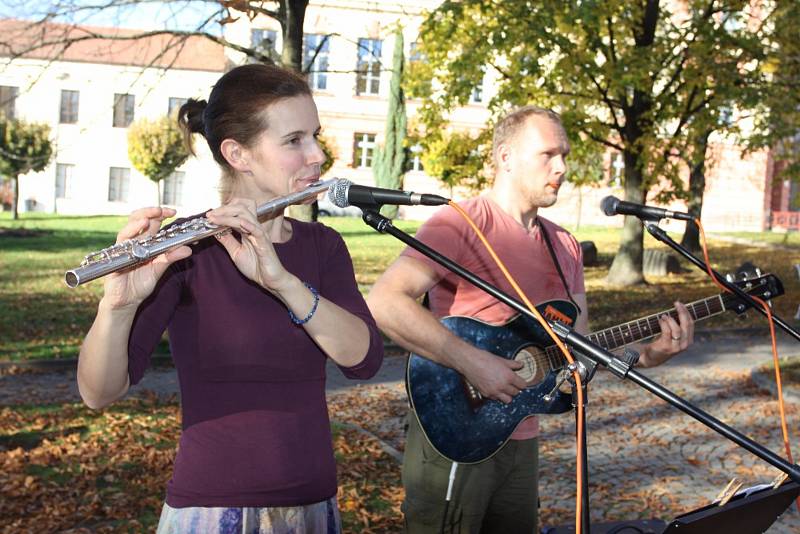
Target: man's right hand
(493, 376)
(131, 287)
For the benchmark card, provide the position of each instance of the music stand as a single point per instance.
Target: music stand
(748, 512)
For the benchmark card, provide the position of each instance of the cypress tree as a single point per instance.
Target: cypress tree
(390, 160)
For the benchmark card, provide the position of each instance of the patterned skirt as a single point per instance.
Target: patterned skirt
(317, 518)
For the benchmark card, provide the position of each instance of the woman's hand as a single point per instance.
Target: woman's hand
(254, 256)
(132, 286)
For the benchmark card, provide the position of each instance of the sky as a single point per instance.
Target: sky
(135, 14)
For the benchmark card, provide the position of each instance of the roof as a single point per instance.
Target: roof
(116, 46)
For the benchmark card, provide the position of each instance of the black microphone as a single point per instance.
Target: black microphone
(611, 205)
(344, 193)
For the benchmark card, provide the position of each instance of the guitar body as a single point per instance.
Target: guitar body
(460, 424)
(467, 428)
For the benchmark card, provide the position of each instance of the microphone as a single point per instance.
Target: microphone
(611, 205)
(344, 193)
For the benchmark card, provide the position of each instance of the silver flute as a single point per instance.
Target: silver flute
(135, 251)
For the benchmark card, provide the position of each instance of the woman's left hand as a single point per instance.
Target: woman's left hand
(254, 256)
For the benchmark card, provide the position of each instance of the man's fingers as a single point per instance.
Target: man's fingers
(504, 398)
(686, 322)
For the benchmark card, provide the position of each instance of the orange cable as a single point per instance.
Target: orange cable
(561, 346)
(768, 310)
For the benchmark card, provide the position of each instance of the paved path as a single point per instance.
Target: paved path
(646, 459)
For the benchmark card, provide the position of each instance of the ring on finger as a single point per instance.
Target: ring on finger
(676, 338)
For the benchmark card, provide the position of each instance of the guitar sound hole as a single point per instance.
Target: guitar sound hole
(532, 370)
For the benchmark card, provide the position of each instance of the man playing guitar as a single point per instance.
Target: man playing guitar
(499, 494)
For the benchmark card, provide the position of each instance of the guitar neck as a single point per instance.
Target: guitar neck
(647, 327)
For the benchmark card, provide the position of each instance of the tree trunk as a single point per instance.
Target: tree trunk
(697, 186)
(293, 13)
(16, 197)
(626, 269)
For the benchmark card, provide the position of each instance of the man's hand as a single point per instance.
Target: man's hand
(492, 375)
(675, 337)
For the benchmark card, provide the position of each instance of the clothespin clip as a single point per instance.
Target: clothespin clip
(730, 490)
(780, 479)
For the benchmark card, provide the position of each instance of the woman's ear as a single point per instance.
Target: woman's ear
(235, 154)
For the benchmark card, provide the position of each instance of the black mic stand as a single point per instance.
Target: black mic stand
(595, 353)
(662, 236)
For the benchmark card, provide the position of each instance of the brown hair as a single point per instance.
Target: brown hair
(509, 125)
(236, 108)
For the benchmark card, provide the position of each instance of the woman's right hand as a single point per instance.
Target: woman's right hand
(132, 286)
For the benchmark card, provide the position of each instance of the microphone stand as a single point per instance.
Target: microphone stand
(595, 353)
(662, 236)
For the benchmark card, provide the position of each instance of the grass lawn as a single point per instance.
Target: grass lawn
(41, 318)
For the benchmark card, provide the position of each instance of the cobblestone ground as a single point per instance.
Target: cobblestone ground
(647, 460)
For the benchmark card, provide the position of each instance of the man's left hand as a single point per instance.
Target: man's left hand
(675, 337)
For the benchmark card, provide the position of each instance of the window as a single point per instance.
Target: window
(368, 68)
(8, 100)
(476, 97)
(118, 183)
(363, 149)
(69, 107)
(123, 110)
(418, 74)
(265, 42)
(64, 180)
(315, 60)
(616, 169)
(413, 161)
(175, 104)
(477, 94)
(173, 189)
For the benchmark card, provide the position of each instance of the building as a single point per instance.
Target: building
(349, 45)
(89, 95)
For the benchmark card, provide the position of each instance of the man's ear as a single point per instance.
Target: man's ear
(235, 154)
(503, 157)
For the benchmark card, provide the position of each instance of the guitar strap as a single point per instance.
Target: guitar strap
(555, 262)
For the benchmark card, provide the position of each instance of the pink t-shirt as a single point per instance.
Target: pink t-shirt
(524, 253)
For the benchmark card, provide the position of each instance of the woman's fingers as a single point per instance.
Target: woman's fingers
(144, 221)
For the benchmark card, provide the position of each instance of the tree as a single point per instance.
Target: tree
(156, 149)
(290, 14)
(390, 159)
(457, 158)
(24, 147)
(616, 70)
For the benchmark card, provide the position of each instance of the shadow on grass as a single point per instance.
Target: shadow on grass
(31, 439)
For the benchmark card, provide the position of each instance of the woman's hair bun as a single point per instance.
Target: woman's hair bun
(190, 120)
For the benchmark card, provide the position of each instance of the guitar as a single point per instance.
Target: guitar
(465, 427)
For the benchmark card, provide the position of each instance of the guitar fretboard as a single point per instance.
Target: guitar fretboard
(646, 327)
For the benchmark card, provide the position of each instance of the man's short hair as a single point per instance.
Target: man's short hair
(511, 124)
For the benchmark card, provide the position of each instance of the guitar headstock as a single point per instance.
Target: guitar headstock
(755, 284)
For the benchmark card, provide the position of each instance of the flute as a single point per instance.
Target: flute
(135, 251)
